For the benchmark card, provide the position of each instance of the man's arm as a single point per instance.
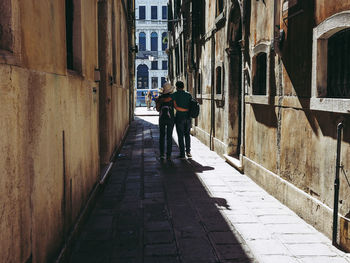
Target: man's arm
(178, 108)
(165, 99)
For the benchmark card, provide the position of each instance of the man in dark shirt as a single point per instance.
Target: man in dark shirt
(182, 100)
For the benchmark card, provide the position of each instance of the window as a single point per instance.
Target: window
(338, 68)
(164, 12)
(142, 12)
(177, 60)
(154, 82)
(162, 81)
(142, 77)
(6, 37)
(259, 91)
(199, 11)
(181, 55)
(73, 35)
(154, 13)
(114, 53)
(330, 65)
(142, 41)
(164, 65)
(121, 43)
(177, 5)
(199, 83)
(259, 83)
(164, 41)
(219, 7)
(218, 81)
(154, 41)
(154, 65)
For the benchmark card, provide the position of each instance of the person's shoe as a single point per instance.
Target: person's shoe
(189, 155)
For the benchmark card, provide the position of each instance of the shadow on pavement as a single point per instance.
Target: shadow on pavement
(152, 211)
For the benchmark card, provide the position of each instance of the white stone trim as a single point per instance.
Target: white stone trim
(321, 34)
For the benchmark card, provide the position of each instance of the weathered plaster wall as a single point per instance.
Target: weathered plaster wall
(50, 130)
(324, 9)
(296, 145)
(261, 22)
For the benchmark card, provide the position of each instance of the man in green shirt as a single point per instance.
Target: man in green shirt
(182, 100)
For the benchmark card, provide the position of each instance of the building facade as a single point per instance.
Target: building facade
(273, 85)
(65, 99)
(151, 66)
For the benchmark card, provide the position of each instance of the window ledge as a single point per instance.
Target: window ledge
(330, 105)
(219, 97)
(257, 99)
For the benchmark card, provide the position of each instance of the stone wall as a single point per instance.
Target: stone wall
(50, 129)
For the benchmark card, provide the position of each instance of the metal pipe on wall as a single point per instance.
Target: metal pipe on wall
(336, 185)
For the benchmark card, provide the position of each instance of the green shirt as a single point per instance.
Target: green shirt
(182, 99)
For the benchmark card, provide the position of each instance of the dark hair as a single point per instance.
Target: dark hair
(179, 85)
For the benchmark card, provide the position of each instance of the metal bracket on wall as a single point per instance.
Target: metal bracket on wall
(293, 15)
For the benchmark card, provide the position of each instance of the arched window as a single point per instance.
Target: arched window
(142, 77)
(142, 41)
(164, 41)
(338, 69)
(154, 41)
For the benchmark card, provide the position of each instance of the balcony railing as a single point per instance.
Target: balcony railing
(147, 54)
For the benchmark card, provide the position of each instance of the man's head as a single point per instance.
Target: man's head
(179, 85)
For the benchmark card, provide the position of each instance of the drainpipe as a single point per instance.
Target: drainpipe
(336, 185)
(212, 101)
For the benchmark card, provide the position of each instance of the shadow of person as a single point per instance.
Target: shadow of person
(197, 167)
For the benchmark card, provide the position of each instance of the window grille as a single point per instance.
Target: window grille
(338, 71)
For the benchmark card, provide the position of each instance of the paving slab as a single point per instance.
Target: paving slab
(191, 211)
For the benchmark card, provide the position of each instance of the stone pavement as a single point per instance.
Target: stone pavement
(191, 211)
(142, 111)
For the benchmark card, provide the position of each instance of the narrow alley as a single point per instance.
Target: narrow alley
(196, 210)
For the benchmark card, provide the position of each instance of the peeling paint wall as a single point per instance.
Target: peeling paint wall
(285, 136)
(50, 128)
(284, 144)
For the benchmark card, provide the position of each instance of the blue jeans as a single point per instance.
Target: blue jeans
(166, 127)
(183, 128)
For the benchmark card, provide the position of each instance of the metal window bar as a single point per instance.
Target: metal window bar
(338, 67)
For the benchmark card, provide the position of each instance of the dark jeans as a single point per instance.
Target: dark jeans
(183, 128)
(168, 126)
